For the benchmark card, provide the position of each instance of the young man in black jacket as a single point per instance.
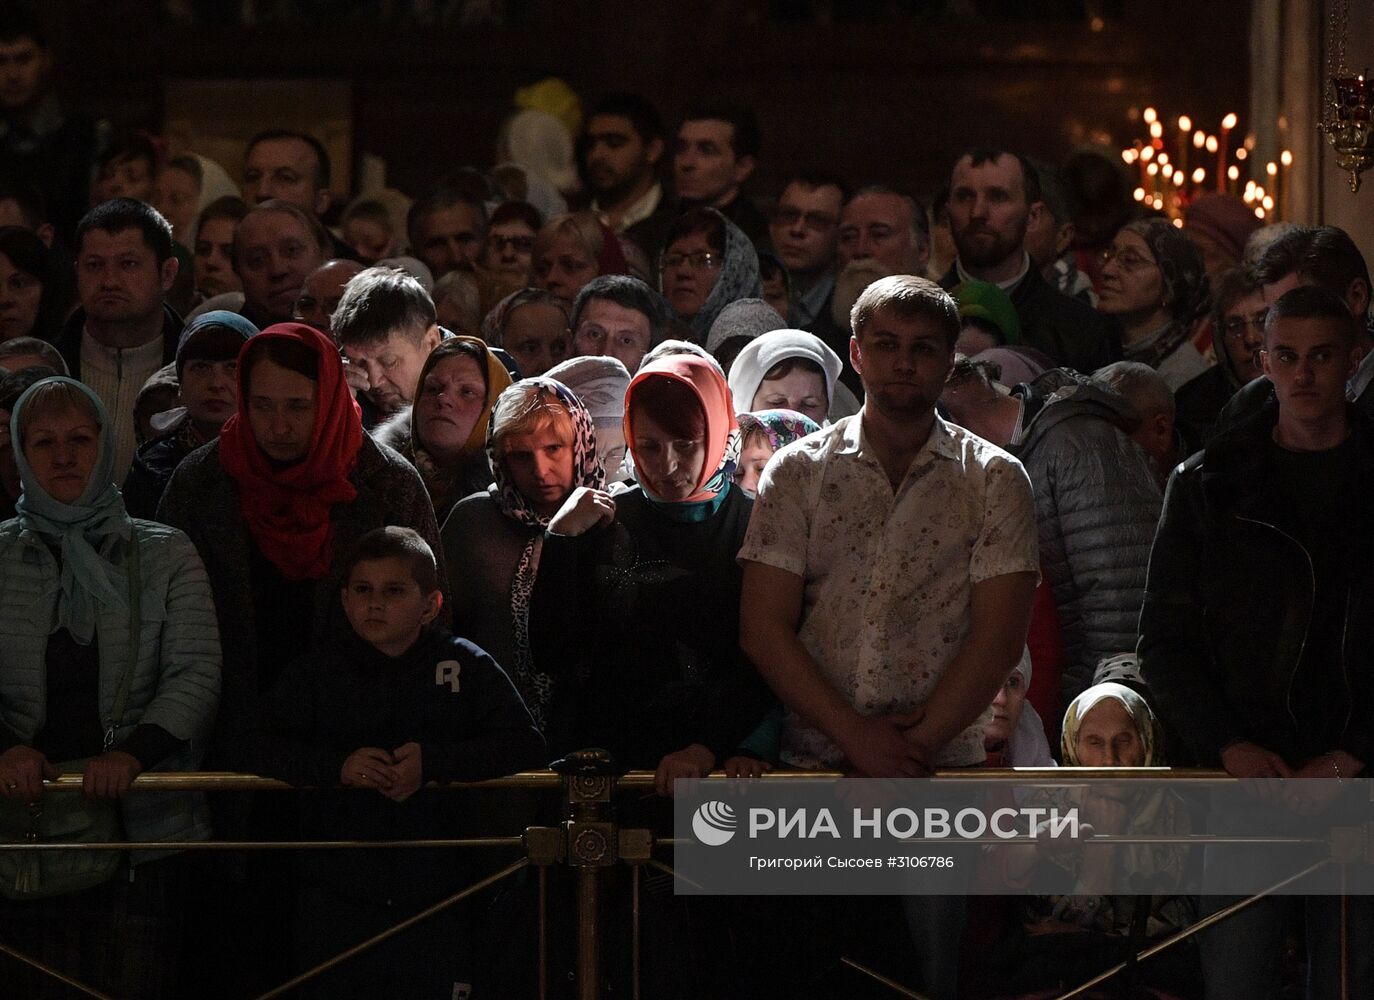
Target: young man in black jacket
(1256, 636)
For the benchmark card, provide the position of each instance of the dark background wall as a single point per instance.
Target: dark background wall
(886, 91)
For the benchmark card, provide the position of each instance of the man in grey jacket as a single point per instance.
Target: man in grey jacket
(1096, 500)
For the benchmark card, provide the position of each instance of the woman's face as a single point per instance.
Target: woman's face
(127, 178)
(688, 270)
(61, 447)
(541, 466)
(281, 410)
(177, 195)
(752, 458)
(536, 336)
(564, 267)
(668, 465)
(20, 296)
(214, 258)
(800, 389)
(1006, 711)
(1132, 282)
(450, 401)
(1107, 737)
(509, 250)
(369, 240)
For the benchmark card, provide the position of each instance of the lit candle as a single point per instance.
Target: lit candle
(1150, 115)
(1285, 193)
(1185, 125)
(1232, 178)
(1227, 123)
(1199, 175)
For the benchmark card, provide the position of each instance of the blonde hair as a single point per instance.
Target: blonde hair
(584, 227)
(528, 409)
(53, 396)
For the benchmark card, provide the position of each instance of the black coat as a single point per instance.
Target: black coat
(1229, 599)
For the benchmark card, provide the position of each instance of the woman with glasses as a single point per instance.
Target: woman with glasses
(1154, 286)
(1238, 319)
(508, 252)
(707, 263)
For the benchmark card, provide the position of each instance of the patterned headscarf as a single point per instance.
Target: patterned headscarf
(1180, 264)
(781, 427)
(1146, 725)
(534, 685)
(85, 532)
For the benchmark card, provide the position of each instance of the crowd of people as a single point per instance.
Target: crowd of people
(601, 447)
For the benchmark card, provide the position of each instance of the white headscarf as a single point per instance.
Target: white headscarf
(540, 143)
(762, 353)
(215, 183)
(1028, 746)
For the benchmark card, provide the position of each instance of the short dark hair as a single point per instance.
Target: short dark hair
(638, 110)
(130, 146)
(28, 198)
(443, 197)
(289, 354)
(745, 138)
(29, 254)
(395, 542)
(1324, 255)
(1314, 302)
(1053, 192)
(811, 177)
(1234, 284)
(17, 346)
(381, 301)
(629, 293)
(1030, 180)
(706, 221)
(225, 207)
(670, 404)
(908, 297)
(516, 211)
(322, 167)
(119, 214)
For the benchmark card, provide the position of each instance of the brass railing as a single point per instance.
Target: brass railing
(589, 839)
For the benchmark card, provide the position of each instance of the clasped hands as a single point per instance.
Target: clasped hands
(396, 774)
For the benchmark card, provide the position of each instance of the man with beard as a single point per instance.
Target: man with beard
(886, 652)
(124, 330)
(993, 196)
(621, 150)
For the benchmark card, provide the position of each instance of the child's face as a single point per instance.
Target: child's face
(385, 605)
(752, 458)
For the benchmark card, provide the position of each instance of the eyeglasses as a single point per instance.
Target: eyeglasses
(697, 261)
(817, 222)
(1127, 260)
(520, 244)
(1235, 326)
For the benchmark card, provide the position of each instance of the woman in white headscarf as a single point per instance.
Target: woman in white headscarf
(791, 370)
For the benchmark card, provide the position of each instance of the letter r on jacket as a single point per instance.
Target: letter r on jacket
(446, 672)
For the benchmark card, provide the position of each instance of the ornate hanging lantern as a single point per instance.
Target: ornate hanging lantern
(1346, 114)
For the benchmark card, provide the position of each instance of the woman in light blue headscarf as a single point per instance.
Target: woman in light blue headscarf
(109, 667)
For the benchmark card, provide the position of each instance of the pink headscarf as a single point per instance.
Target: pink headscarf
(722, 431)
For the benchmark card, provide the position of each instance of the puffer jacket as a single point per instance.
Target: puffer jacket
(176, 679)
(1097, 504)
(1229, 604)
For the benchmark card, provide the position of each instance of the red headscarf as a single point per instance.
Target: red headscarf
(287, 510)
(722, 430)
(612, 259)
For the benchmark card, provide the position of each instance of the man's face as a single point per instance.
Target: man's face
(617, 159)
(509, 249)
(879, 227)
(705, 167)
(804, 227)
(285, 169)
(214, 258)
(1309, 362)
(1242, 334)
(321, 293)
(537, 337)
(118, 277)
(608, 328)
(450, 238)
(1047, 239)
(24, 66)
(902, 363)
(393, 365)
(275, 254)
(988, 211)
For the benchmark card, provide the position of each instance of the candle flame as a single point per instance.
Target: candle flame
(1150, 115)
(1185, 124)
(1268, 203)
(1163, 159)
(1233, 172)
(1242, 153)
(1129, 155)
(1271, 168)
(1199, 139)
(1287, 158)
(1147, 153)
(1152, 169)
(1168, 171)
(1199, 175)
(1156, 130)
(1158, 203)
(1138, 194)
(1259, 213)
(1229, 122)
(1178, 223)
(1212, 145)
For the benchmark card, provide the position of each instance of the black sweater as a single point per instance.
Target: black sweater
(639, 622)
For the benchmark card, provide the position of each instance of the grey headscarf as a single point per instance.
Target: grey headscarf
(1179, 263)
(738, 278)
(743, 318)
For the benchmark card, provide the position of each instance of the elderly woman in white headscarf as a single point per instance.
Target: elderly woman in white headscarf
(791, 370)
(600, 383)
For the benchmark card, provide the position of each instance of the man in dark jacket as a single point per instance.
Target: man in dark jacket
(1096, 501)
(993, 195)
(1255, 633)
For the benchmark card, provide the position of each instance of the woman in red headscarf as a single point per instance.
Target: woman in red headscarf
(636, 603)
(275, 503)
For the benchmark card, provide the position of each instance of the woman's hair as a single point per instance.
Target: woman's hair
(529, 410)
(584, 227)
(28, 253)
(754, 433)
(227, 207)
(786, 366)
(529, 297)
(290, 354)
(51, 397)
(1234, 284)
(394, 542)
(698, 220)
(131, 146)
(453, 348)
(516, 211)
(461, 289)
(188, 165)
(670, 404)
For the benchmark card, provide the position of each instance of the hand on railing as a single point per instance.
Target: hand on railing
(22, 770)
(110, 775)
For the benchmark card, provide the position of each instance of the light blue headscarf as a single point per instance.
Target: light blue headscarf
(84, 533)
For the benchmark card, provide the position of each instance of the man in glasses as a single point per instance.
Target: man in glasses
(1238, 321)
(804, 230)
(993, 196)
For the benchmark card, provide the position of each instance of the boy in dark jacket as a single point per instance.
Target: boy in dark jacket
(398, 703)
